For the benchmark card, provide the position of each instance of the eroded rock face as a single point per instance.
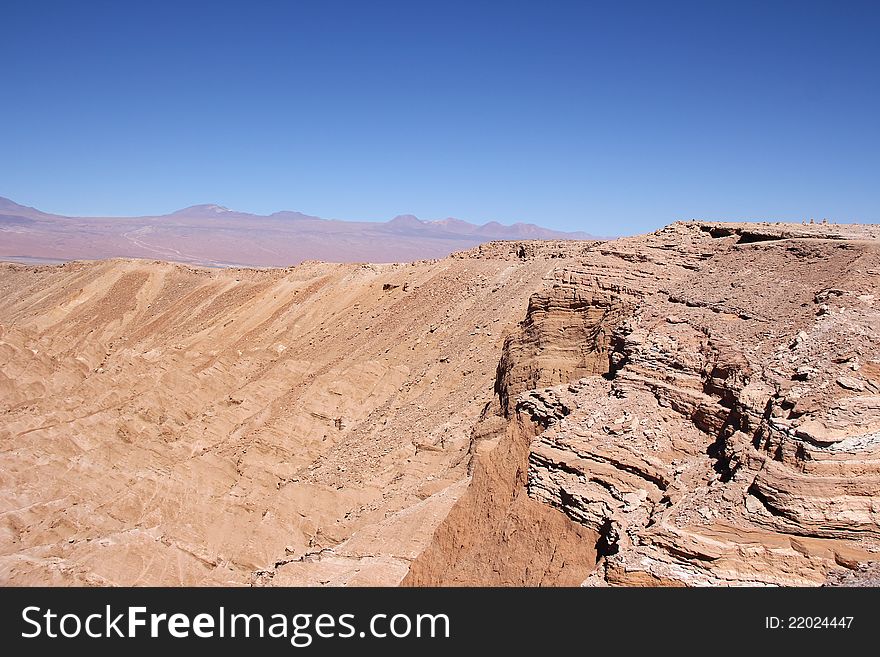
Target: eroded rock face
(718, 420)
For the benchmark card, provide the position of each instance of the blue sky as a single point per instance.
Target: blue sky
(606, 117)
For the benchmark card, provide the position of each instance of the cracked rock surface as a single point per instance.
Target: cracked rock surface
(706, 401)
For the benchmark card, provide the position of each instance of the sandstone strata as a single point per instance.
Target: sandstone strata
(704, 400)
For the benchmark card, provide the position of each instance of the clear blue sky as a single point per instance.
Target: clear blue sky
(611, 117)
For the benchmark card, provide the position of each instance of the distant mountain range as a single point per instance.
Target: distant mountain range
(217, 236)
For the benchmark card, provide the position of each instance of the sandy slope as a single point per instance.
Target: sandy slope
(171, 425)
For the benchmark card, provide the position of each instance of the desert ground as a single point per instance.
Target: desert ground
(695, 406)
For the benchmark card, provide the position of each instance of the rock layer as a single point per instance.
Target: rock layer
(717, 417)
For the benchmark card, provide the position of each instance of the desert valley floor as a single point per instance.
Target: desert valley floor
(700, 405)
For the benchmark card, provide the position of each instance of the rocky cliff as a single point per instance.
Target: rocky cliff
(704, 400)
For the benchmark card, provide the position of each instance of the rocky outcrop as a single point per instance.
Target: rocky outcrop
(528, 250)
(569, 328)
(716, 418)
(568, 333)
